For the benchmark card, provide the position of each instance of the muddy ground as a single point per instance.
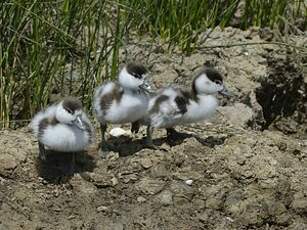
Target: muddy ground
(244, 169)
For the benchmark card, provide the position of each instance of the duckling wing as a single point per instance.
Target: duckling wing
(167, 109)
(89, 127)
(35, 123)
(104, 96)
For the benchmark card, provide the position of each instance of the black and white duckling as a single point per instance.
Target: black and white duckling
(173, 106)
(125, 101)
(63, 127)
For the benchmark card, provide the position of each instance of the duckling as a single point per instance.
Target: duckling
(173, 106)
(122, 102)
(63, 127)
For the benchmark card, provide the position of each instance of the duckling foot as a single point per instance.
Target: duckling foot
(174, 137)
(105, 149)
(135, 127)
(150, 145)
(42, 152)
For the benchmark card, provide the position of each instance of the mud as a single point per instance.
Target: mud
(240, 170)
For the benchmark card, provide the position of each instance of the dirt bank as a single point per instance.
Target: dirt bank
(246, 169)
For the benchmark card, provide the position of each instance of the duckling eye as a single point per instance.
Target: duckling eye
(218, 82)
(138, 76)
(69, 111)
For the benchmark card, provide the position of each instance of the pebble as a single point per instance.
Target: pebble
(117, 132)
(189, 182)
(146, 163)
(150, 186)
(166, 198)
(114, 181)
(102, 208)
(141, 199)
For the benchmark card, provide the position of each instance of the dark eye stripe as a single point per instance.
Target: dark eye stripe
(218, 82)
(68, 110)
(138, 76)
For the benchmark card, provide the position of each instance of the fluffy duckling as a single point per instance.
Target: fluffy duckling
(125, 101)
(63, 127)
(173, 106)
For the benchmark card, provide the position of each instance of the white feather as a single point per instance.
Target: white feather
(65, 138)
(99, 92)
(130, 108)
(49, 112)
(61, 137)
(201, 110)
(128, 81)
(168, 113)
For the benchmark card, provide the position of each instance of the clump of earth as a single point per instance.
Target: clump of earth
(246, 168)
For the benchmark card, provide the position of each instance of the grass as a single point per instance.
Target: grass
(70, 46)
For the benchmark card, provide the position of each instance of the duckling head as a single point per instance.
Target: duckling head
(134, 77)
(69, 111)
(209, 81)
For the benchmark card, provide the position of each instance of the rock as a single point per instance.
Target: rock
(141, 199)
(117, 226)
(102, 180)
(189, 182)
(82, 186)
(150, 186)
(102, 208)
(188, 174)
(165, 198)
(159, 170)
(299, 203)
(214, 196)
(109, 226)
(7, 163)
(114, 181)
(238, 114)
(129, 177)
(117, 132)
(146, 163)
(182, 193)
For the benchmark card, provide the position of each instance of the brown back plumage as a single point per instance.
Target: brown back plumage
(107, 99)
(136, 70)
(71, 104)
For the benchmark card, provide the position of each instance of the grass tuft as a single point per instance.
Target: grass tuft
(68, 47)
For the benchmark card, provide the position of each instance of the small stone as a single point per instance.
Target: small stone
(166, 198)
(117, 226)
(146, 163)
(150, 186)
(117, 132)
(141, 199)
(7, 162)
(229, 219)
(102, 208)
(238, 114)
(114, 181)
(71, 217)
(189, 182)
(101, 181)
(82, 186)
(299, 203)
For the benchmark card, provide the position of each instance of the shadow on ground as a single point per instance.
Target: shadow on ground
(60, 167)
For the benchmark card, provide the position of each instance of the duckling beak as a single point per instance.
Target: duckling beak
(225, 92)
(79, 123)
(145, 86)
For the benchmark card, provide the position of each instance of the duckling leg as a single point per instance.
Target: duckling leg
(104, 146)
(42, 151)
(148, 141)
(135, 127)
(73, 163)
(172, 134)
